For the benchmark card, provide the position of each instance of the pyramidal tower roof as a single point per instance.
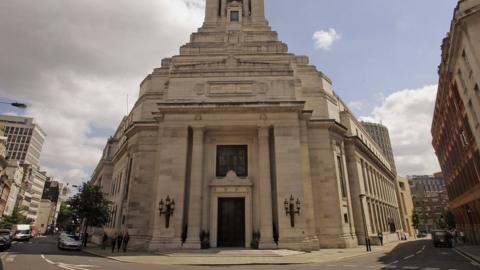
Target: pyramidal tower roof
(235, 56)
(234, 26)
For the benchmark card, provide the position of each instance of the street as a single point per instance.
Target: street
(42, 254)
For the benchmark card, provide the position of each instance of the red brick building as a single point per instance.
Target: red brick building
(456, 127)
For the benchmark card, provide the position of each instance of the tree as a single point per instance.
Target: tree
(450, 220)
(90, 205)
(15, 218)
(415, 220)
(65, 215)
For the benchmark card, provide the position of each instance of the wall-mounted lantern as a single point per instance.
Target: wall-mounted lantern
(167, 208)
(292, 207)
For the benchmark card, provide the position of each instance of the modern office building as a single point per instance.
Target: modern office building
(236, 142)
(24, 139)
(381, 136)
(430, 200)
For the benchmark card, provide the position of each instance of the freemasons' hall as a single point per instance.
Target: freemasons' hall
(236, 142)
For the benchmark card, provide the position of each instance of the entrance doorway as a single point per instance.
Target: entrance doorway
(231, 222)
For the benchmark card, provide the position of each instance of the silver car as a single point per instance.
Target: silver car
(69, 241)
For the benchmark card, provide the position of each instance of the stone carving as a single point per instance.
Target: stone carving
(230, 88)
(199, 89)
(262, 88)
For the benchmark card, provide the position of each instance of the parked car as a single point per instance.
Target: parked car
(69, 241)
(22, 232)
(442, 238)
(5, 239)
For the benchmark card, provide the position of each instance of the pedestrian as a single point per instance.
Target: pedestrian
(85, 239)
(113, 242)
(119, 241)
(104, 240)
(380, 237)
(126, 237)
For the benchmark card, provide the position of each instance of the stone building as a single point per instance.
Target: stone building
(236, 142)
(5, 184)
(14, 175)
(430, 200)
(47, 208)
(406, 205)
(456, 126)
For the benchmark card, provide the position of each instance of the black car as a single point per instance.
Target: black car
(5, 239)
(442, 238)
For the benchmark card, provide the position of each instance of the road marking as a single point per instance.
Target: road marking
(468, 259)
(408, 257)
(390, 266)
(419, 252)
(350, 265)
(65, 267)
(410, 267)
(69, 266)
(395, 262)
(430, 268)
(11, 258)
(47, 260)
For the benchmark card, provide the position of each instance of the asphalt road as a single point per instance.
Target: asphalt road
(42, 254)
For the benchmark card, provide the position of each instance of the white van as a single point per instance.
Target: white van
(22, 232)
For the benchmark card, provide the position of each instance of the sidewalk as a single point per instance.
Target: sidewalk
(472, 252)
(237, 257)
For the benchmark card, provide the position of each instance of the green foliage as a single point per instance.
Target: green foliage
(450, 220)
(415, 220)
(65, 215)
(90, 205)
(16, 218)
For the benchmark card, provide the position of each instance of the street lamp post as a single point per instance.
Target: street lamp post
(15, 104)
(367, 239)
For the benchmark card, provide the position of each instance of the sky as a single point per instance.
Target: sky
(75, 62)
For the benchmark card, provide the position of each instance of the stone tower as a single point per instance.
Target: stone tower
(249, 140)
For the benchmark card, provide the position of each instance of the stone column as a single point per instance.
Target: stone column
(246, 8)
(211, 11)
(265, 190)
(258, 11)
(196, 181)
(223, 8)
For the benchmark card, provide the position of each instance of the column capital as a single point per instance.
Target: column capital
(263, 130)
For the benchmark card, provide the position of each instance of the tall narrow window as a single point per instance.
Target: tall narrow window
(232, 158)
(341, 175)
(463, 138)
(477, 92)
(234, 16)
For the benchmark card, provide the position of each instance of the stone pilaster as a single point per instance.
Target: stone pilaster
(196, 180)
(258, 11)
(265, 189)
(211, 11)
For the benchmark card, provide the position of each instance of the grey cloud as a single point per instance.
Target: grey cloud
(74, 62)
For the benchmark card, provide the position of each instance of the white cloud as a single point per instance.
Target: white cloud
(325, 39)
(74, 62)
(408, 115)
(357, 105)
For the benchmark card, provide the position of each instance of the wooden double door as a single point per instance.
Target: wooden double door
(231, 222)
